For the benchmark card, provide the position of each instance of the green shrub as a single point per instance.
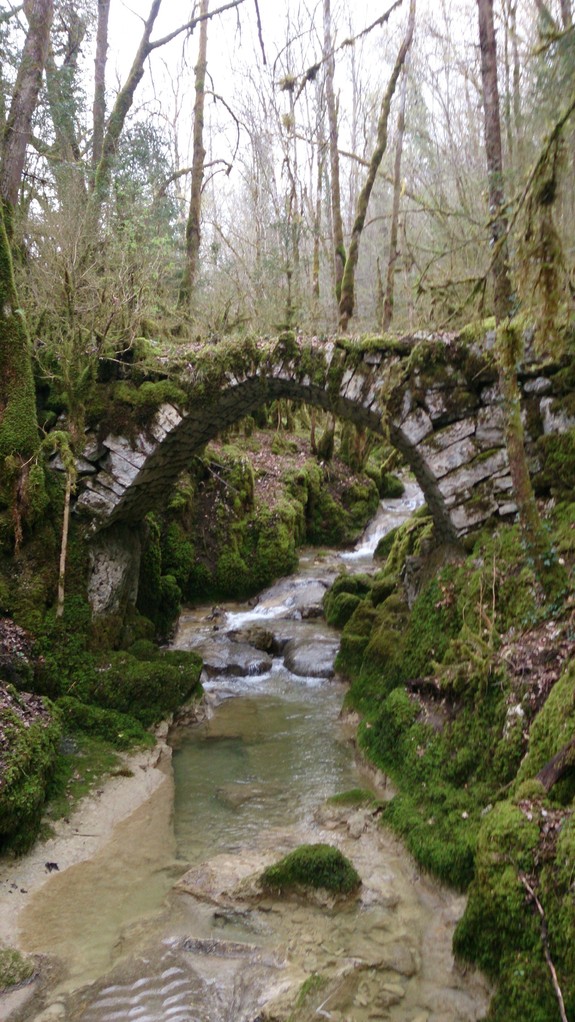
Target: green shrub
(318, 865)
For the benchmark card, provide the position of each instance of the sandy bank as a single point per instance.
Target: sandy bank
(82, 836)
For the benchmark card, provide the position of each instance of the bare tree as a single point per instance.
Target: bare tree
(508, 351)
(99, 108)
(394, 226)
(336, 218)
(193, 225)
(347, 297)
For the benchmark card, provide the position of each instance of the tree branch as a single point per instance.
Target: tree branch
(545, 942)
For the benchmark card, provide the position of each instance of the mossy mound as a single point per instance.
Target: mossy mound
(30, 731)
(525, 848)
(316, 866)
(146, 690)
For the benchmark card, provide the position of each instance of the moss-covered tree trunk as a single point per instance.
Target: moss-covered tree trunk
(509, 346)
(24, 98)
(18, 422)
(347, 297)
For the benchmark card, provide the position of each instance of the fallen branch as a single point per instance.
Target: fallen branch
(559, 765)
(545, 942)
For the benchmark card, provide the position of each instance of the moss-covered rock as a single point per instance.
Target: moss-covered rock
(30, 731)
(315, 866)
(146, 690)
(557, 456)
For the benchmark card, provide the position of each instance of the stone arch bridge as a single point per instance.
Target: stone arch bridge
(434, 396)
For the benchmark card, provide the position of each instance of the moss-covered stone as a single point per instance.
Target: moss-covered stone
(31, 730)
(315, 866)
(146, 690)
(557, 455)
(552, 728)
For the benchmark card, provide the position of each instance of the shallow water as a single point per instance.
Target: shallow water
(247, 783)
(265, 759)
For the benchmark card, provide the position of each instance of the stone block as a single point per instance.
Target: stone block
(510, 508)
(441, 461)
(555, 421)
(452, 434)
(95, 502)
(93, 448)
(464, 479)
(416, 426)
(83, 467)
(124, 468)
(467, 516)
(490, 427)
(540, 385)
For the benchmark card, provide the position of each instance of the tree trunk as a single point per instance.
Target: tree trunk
(393, 231)
(24, 98)
(99, 107)
(193, 226)
(566, 14)
(336, 219)
(508, 343)
(120, 111)
(347, 298)
(18, 422)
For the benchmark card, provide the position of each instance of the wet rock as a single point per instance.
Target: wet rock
(256, 636)
(400, 959)
(222, 656)
(295, 598)
(311, 658)
(235, 795)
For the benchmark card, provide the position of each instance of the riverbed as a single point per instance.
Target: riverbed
(163, 920)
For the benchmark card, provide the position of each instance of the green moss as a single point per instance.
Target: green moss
(557, 455)
(475, 332)
(18, 422)
(497, 920)
(353, 797)
(553, 726)
(30, 754)
(15, 968)
(390, 486)
(316, 866)
(340, 609)
(146, 690)
(121, 730)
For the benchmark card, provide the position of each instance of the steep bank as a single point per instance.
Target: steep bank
(465, 683)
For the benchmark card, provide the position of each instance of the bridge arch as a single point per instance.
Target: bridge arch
(435, 398)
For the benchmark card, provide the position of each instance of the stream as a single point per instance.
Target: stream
(166, 924)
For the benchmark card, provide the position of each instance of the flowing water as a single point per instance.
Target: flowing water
(250, 783)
